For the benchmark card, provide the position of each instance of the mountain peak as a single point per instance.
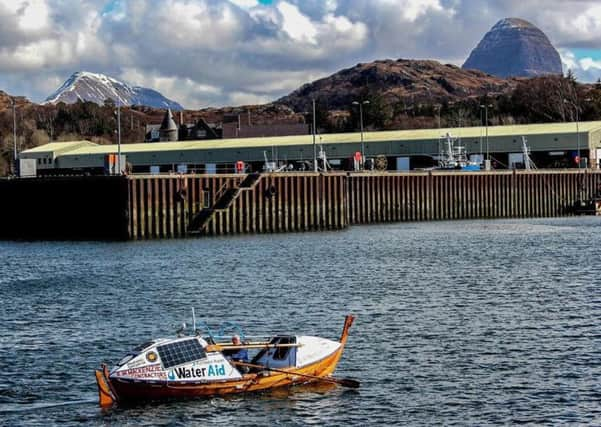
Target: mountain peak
(515, 47)
(513, 23)
(97, 88)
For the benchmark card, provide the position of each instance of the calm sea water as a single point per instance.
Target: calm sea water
(465, 323)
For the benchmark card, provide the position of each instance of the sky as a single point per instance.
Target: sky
(204, 53)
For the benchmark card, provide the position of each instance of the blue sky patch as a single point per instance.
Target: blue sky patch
(587, 53)
(111, 6)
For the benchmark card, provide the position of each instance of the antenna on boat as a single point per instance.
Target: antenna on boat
(193, 321)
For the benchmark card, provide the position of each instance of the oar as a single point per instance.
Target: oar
(220, 347)
(345, 382)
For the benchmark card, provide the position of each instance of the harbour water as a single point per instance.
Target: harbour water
(458, 323)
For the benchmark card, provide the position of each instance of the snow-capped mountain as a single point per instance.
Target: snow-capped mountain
(97, 88)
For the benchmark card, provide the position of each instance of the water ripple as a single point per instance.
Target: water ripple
(470, 322)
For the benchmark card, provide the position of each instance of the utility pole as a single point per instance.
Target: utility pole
(119, 136)
(480, 132)
(565, 101)
(314, 145)
(486, 107)
(360, 104)
(12, 100)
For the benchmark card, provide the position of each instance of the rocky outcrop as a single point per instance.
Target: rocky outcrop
(6, 101)
(401, 80)
(515, 48)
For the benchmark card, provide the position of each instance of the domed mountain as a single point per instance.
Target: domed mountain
(401, 80)
(515, 48)
(97, 88)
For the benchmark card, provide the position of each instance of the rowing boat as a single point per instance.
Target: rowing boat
(193, 366)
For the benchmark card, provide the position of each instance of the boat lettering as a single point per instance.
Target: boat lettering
(135, 363)
(151, 371)
(193, 372)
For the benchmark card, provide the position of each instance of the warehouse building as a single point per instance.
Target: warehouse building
(557, 145)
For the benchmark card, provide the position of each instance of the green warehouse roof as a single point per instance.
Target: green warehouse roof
(88, 148)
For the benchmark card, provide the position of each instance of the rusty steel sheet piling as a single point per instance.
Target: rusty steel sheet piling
(174, 206)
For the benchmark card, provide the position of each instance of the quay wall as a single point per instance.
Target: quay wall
(172, 206)
(438, 195)
(64, 208)
(164, 207)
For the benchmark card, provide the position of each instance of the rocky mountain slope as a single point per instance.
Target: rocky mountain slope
(6, 103)
(97, 88)
(514, 47)
(402, 80)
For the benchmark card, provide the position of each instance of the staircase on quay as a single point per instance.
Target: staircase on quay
(223, 200)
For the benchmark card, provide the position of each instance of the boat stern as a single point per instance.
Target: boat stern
(320, 354)
(106, 396)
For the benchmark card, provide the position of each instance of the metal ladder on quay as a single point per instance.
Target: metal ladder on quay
(223, 200)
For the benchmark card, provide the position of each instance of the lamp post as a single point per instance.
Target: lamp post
(480, 132)
(314, 145)
(12, 100)
(119, 137)
(438, 107)
(486, 107)
(361, 104)
(565, 101)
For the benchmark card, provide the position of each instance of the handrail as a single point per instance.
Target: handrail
(200, 325)
(221, 191)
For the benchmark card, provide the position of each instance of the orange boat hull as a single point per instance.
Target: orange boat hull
(126, 390)
(131, 390)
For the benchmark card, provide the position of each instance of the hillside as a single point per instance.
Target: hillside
(394, 81)
(403, 94)
(5, 101)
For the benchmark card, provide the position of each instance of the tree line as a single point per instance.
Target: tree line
(544, 99)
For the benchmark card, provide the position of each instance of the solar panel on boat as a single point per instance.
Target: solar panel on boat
(180, 352)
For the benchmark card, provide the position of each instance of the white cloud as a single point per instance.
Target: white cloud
(590, 64)
(413, 9)
(585, 69)
(30, 15)
(245, 4)
(247, 98)
(220, 52)
(298, 26)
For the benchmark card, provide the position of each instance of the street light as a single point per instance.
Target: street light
(119, 136)
(438, 107)
(12, 100)
(565, 101)
(361, 104)
(314, 146)
(486, 107)
(481, 133)
(430, 99)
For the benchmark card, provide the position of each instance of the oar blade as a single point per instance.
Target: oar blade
(347, 382)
